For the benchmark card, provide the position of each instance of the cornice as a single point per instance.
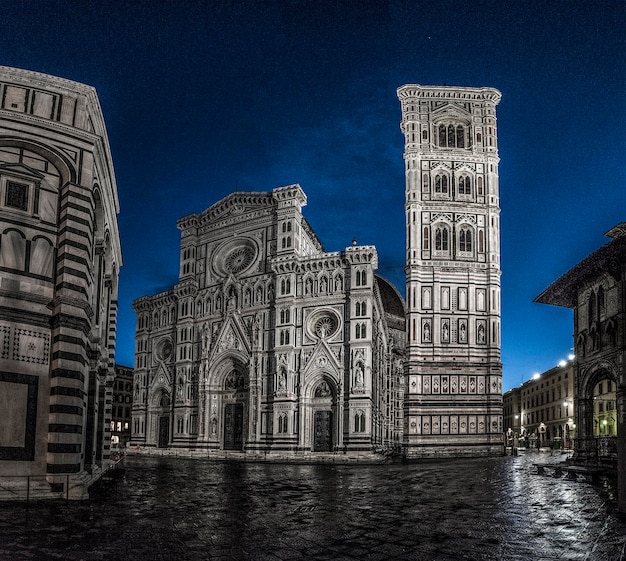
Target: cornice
(449, 92)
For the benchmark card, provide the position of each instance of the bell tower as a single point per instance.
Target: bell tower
(453, 372)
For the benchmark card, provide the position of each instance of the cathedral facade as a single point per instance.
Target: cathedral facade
(268, 344)
(453, 399)
(59, 261)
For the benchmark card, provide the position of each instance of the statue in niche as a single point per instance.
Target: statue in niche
(324, 285)
(308, 286)
(282, 381)
(206, 339)
(323, 390)
(339, 283)
(359, 375)
(462, 332)
(480, 336)
(427, 332)
(231, 303)
(213, 426)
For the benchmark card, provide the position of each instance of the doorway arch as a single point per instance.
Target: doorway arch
(324, 425)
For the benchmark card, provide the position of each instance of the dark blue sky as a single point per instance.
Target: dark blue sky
(205, 98)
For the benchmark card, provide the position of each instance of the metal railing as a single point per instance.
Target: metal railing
(26, 488)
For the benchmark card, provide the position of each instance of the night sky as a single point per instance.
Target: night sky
(205, 98)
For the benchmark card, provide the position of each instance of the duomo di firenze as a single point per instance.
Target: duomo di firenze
(270, 345)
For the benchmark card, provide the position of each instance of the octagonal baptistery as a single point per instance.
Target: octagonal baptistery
(59, 260)
(268, 344)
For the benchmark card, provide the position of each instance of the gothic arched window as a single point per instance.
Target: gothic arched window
(441, 183)
(359, 421)
(451, 135)
(465, 185)
(465, 240)
(426, 238)
(442, 236)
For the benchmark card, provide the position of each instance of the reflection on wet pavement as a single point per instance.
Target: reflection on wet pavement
(445, 510)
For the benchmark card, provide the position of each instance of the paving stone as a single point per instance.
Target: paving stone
(494, 509)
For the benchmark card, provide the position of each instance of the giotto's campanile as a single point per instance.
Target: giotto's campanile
(453, 397)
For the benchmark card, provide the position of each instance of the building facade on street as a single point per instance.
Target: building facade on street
(268, 344)
(540, 413)
(596, 290)
(59, 261)
(453, 399)
(121, 409)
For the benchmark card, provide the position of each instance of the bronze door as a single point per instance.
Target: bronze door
(233, 426)
(323, 435)
(164, 432)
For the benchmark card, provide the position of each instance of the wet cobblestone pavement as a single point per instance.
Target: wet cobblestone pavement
(189, 509)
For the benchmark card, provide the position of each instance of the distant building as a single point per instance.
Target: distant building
(121, 409)
(269, 344)
(59, 261)
(540, 413)
(453, 400)
(595, 289)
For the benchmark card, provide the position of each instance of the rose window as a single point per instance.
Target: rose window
(325, 326)
(238, 259)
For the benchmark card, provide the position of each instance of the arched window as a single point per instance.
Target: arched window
(426, 238)
(282, 423)
(13, 250)
(442, 236)
(460, 136)
(451, 136)
(465, 185)
(465, 240)
(360, 309)
(480, 186)
(41, 257)
(601, 304)
(481, 241)
(359, 421)
(285, 286)
(591, 308)
(441, 183)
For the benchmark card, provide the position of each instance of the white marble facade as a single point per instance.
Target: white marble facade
(453, 400)
(268, 344)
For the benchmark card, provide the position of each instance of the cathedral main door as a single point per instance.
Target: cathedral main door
(233, 426)
(323, 432)
(164, 431)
